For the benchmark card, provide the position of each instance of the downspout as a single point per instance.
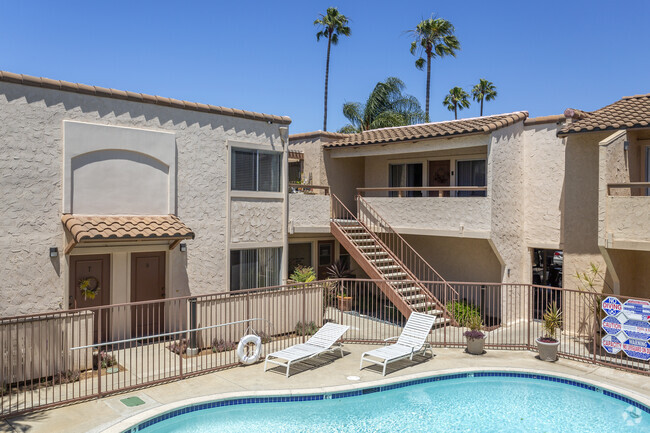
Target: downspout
(284, 136)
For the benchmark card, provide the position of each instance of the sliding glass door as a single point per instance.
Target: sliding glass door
(405, 175)
(471, 173)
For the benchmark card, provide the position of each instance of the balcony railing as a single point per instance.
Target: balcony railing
(433, 191)
(633, 186)
(308, 189)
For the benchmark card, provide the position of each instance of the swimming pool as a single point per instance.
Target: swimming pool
(478, 402)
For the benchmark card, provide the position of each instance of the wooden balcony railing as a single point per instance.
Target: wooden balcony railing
(301, 187)
(631, 185)
(441, 190)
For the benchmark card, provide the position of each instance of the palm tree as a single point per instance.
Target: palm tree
(484, 90)
(333, 24)
(434, 38)
(386, 106)
(456, 100)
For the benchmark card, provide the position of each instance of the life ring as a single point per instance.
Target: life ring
(244, 353)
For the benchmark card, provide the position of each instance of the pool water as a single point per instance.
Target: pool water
(468, 404)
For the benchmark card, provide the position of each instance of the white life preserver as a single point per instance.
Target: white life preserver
(249, 358)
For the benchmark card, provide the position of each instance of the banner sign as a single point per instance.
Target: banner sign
(612, 306)
(627, 326)
(637, 309)
(638, 349)
(612, 344)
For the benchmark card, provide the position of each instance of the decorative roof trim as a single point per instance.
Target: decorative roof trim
(555, 118)
(85, 89)
(316, 134)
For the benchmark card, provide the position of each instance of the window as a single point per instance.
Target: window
(299, 255)
(250, 269)
(405, 175)
(295, 171)
(255, 170)
(470, 173)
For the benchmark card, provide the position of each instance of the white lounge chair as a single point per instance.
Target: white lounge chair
(410, 342)
(322, 341)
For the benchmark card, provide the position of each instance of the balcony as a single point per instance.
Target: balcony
(309, 208)
(437, 211)
(627, 221)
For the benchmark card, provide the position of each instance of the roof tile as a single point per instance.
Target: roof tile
(629, 112)
(126, 227)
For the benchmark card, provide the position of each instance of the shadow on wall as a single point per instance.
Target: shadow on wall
(104, 107)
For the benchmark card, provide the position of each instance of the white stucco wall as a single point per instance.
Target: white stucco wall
(544, 186)
(440, 216)
(31, 163)
(309, 213)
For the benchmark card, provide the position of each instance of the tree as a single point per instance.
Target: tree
(332, 25)
(484, 91)
(456, 100)
(386, 106)
(433, 38)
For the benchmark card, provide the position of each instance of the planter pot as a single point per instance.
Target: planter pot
(547, 351)
(345, 303)
(475, 346)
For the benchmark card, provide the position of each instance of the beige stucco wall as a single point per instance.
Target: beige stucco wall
(256, 220)
(442, 216)
(309, 213)
(313, 164)
(628, 221)
(544, 186)
(580, 221)
(31, 137)
(633, 271)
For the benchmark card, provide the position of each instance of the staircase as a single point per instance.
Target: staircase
(383, 255)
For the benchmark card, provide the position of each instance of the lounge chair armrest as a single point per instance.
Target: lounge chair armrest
(386, 340)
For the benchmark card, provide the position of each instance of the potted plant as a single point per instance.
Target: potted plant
(475, 338)
(338, 271)
(548, 344)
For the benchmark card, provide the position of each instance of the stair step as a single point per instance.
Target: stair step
(378, 261)
(346, 222)
(360, 235)
(370, 247)
(395, 274)
(364, 241)
(382, 268)
(409, 289)
(411, 298)
(376, 253)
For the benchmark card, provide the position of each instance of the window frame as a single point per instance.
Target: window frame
(279, 251)
(457, 178)
(257, 151)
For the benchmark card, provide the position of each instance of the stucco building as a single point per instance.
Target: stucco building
(139, 196)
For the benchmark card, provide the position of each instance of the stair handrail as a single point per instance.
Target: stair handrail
(422, 262)
(388, 250)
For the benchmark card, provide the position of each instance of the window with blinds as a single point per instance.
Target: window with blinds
(250, 269)
(255, 170)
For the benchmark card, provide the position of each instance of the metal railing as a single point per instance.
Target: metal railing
(423, 191)
(631, 185)
(403, 251)
(128, 346)
(309, 189)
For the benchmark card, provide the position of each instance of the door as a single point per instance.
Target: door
(93, 273)
(147, 284)
(439, 175)
(325, 257)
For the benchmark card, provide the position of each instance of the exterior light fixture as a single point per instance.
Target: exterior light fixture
(183, 247)
(54, 252)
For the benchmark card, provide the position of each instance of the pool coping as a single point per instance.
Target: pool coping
(133, 422)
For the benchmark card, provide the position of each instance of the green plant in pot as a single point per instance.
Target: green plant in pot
(475, 338)
(551, 323)
(338, 271)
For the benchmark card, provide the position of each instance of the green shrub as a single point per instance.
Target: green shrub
(306, 328)
(303, 274)
(463, 312)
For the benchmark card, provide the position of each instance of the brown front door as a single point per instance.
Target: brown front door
(147, 284)
(439, 175)
(95, 273)
(325, 257)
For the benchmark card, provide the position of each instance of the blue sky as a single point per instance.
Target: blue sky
(263, 56)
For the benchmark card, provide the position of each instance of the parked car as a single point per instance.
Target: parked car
(558, 258)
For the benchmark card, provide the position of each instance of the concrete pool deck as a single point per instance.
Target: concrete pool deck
(328, 373)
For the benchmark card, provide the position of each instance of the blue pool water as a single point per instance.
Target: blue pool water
(466, 404)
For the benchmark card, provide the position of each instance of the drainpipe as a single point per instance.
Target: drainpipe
(284, 136)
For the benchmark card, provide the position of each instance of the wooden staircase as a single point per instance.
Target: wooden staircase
(400, 285)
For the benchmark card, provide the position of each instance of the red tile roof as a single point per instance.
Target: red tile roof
(84, 228)
(629, 112)
(476, 125)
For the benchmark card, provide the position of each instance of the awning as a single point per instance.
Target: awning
(296, 156)
(124, 228)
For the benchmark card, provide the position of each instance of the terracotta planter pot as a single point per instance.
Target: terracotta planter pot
(345, 303)
(475, 346)
(547, 351)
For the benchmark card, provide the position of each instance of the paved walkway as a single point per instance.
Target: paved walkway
(326, 373)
